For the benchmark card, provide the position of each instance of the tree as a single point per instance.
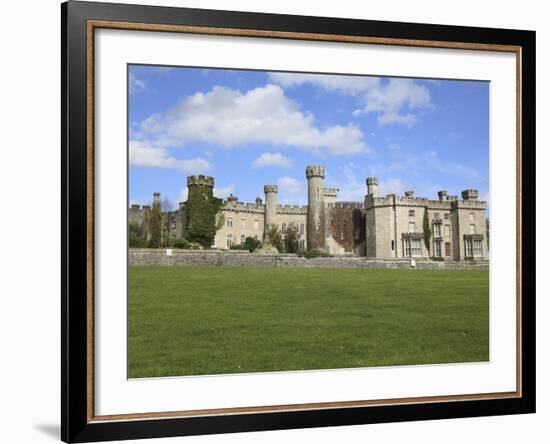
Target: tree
(136, 238)
(251, 244)
(155, 227)
(165, 235)
(275, 238)
(427, 230)
(291, 242)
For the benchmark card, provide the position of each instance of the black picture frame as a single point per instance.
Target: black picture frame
(76, 423)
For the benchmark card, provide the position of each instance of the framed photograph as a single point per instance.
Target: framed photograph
(276, 221)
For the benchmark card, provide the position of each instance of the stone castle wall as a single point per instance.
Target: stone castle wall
(245, 259)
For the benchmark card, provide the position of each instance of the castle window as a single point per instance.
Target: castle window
(437, 248)
(472, 229)
(472, 216)
(411, 213)
(302, 227)
(243, 238)
(413, 247)
(229, 223)
(437, 230)
(468, 247)
(392, 245)
(283, 228)
(446, 216)
(412, 227)
(229, 241)
(302, 244)
(213, 245)
(255, 224)
(447, 249)
(478, 248)
(447, 231)
(243, 223)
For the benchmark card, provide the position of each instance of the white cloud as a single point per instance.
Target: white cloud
(348, 84)
(223, 192)
(229, 118)
(272, 159)
(390, 186)
(432, 161)
(135, 84)
(144, 155)
(184, 193)
(291, 188)
(388, 98)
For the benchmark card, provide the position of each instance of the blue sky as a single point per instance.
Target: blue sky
(250, 128)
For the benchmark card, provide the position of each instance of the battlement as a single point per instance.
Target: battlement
(232, 198)
(330, 192)
(355, 205)
(205, 181)
(245, 207)
(291, 209)
(315, 171)
(271, 188)
(470, 194)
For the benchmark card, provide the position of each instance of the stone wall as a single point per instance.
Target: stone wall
(246, 259)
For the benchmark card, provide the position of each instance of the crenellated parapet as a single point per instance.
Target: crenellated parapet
(348, 205)
(315, 171)
(291, 209)
(201, 180)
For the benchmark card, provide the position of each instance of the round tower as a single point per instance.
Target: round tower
(315, 207)
(372, 186)
(270, 208)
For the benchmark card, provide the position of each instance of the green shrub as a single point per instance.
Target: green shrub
(183, 244)
(437, 259)
(310, 254)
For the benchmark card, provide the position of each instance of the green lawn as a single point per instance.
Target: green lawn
(197, 321)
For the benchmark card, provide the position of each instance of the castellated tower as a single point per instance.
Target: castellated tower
(316, 207)
(372, 186)
(270, 208)
(200, 198)
(200, 184)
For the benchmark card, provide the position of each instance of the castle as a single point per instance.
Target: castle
(381, 227)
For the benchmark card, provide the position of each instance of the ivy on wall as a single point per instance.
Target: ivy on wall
(427, 230)
(202, 208)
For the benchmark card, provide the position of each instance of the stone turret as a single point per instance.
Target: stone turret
(372, 186)
(315, 211)
(258, 201)
(270, 208)
(442, 195)
(469, 194)
(203, 181)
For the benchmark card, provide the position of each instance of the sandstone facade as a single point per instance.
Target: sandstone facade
(380, 227)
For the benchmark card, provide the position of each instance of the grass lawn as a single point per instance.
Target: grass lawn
(198, 321)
